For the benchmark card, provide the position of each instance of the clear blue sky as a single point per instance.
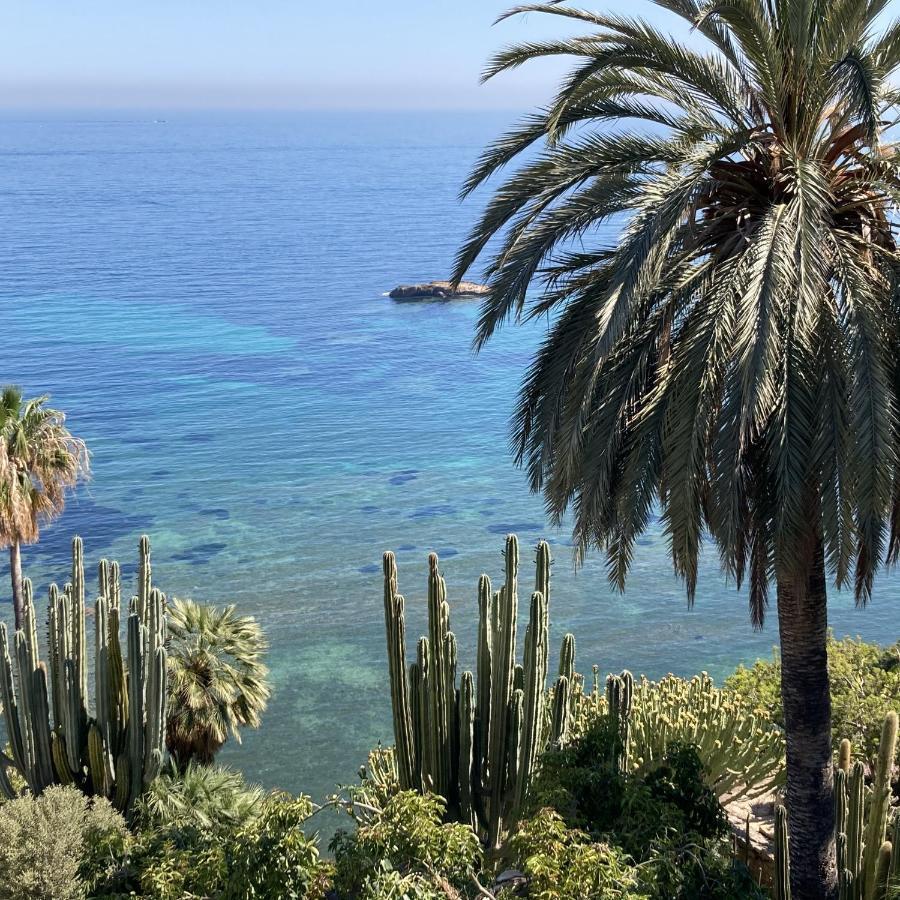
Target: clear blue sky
(269, 53)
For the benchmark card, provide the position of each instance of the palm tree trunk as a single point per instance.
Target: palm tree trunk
(805, 694)
(15, 571)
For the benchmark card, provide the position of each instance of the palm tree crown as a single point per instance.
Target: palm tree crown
(734, 354)
(39, 461)
(217, 680)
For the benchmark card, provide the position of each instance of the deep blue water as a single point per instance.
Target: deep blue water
(204, 297)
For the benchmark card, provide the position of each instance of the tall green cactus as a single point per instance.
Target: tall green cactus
(868, 864)
(476, 743)
(619, 701)
(781, 880)
(116, 750)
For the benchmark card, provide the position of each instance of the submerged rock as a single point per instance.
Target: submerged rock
(438, 290)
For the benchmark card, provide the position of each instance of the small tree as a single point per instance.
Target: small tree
(40, 460)
(217, 680)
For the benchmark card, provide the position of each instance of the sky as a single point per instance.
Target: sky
(315, 54)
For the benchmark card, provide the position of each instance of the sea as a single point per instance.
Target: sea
(204, 294)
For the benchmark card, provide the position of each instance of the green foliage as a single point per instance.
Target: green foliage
(205, 797)
(58, 845)
(407, 837)
(563, 863)
(271, 855)
(40, 461)
(665, 816)
(741, 751)
(388, 884)
(265, 855)
(218, 683)
(865, 687)
(116, 749)
(476, 743)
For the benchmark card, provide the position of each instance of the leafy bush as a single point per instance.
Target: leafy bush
(665, 818)
(865, 687)
(565, 864)
(55, 847)
(266, 855)
(272, 857)
(409, 838)
(388, 884)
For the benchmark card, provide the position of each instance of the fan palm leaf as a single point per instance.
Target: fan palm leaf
(218, 682)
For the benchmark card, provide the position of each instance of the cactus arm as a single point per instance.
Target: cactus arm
(395, 629)
(535, 678)
(879, 806)
(40, 730)
(781, 883)
(439, 674)
(882, 872)
(844, 756)
(11, 713)
(560, 721)
(143, 595)
(64, 773)
(466, 774)
(855, 821)
(137, 639)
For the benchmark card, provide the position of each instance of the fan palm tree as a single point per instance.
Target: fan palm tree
(217, 680)
(40, 461)
(730, 359)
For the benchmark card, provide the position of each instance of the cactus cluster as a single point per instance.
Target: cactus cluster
(116, 749)
(868, 864)
(742, 754)
(476, 742)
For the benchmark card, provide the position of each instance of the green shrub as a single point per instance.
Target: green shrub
(865, 687)
(206, 797)
(267, 855)
(565, 864)
(666, 817)
(271, 856)
(57, 846)
(388, 884)
(407, 837)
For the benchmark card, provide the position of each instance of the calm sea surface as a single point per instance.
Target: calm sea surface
(204, 296)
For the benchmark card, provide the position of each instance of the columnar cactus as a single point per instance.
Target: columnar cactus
(619, 700)
(116, 750)
(868, 865)
(781, 879)
(476, 743)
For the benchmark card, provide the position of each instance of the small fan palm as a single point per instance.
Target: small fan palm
(731, 359)
(204, 797)
(40, 461)
(218, 683)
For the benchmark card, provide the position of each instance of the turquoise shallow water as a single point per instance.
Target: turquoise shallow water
(204, 296)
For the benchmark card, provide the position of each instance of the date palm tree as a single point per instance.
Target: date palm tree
(708, 226)
(218, 682)
(40, 461)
